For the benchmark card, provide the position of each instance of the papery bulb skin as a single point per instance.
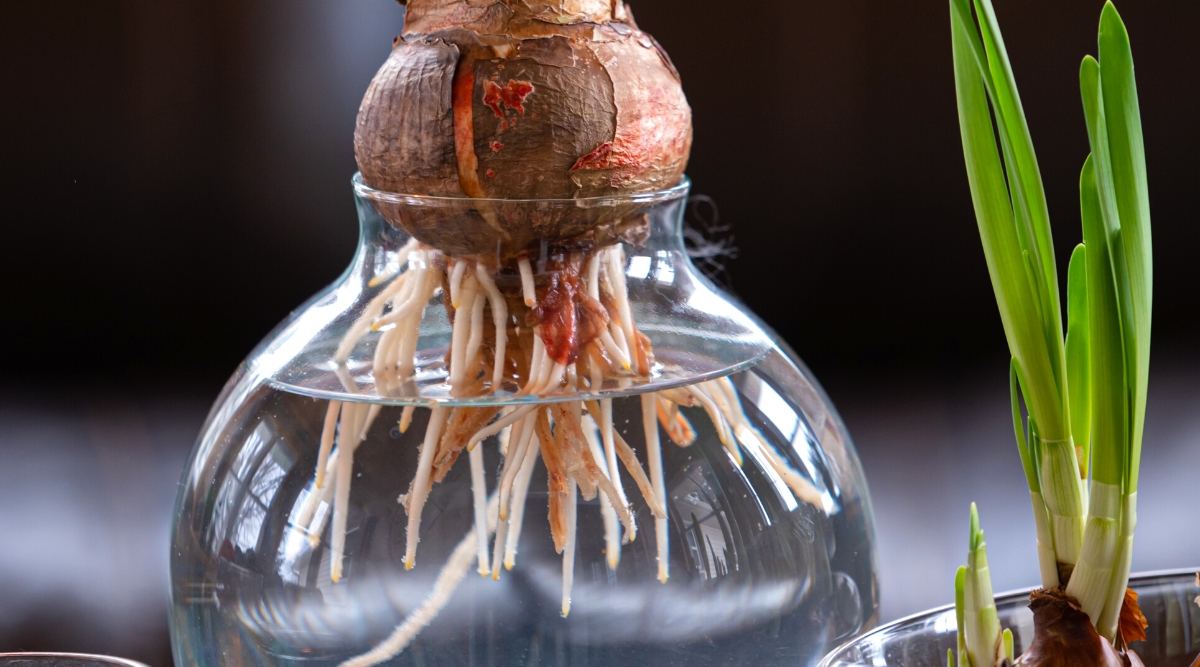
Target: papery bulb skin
(506, 99)
(1065, 637)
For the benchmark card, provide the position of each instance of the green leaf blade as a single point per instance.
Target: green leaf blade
(1128, 167)
(1017, 296)
(1107, 367)
(1079, 389)
(1029, 197)
(1027, 461)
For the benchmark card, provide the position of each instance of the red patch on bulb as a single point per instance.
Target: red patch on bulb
(606, 156)
(570, 319)
(491, 173)
(496, 146)
(512, 95)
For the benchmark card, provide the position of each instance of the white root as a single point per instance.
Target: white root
(527, 285)
(614, 350)
(569, 551)
(605, 423)
(398, 293)
(420, 487)
(603, 483)
(519, 493)
(372, 414)
(406, 350)
(475, 342)
(608, 437)
(546, 369)
(375, 306)
(313, 500)
(616, 275)
(471, 290)
(510, 449)
(520, 450)
(678, 428)
(341, 498)
(629, 458)
(593, 276)
(401, 259)
(679, 396)
(618, 336)
(460, 337)
(372, 311)
(556, 379)
(479, 490)
(804, 490)
(546, 374)
(327, 435)
(718, 419)
(496, 426)
(502, 438)
(654, 455)
(456, 276)
(447, 581)
(612, 529)
(500, 319)
(385, 355)
(535, 363)
(414, 300)
(498, 548)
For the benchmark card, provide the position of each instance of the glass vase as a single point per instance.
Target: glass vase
(1167, 599)
(564, 448)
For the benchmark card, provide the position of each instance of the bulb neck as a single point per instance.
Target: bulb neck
(627, 272)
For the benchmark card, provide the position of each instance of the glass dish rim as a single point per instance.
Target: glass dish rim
(512, 399)
(654, 196)
(1002, 598)
(82, 656)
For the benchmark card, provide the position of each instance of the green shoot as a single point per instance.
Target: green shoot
(979, 638)
(960, 609)
(1078, 377)
(1007, 192)
(1085, 395)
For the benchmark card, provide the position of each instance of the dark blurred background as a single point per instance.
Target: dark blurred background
(176, 179)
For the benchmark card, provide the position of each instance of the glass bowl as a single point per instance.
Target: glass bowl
(1166, 598)
(64, 660)
(758, 547)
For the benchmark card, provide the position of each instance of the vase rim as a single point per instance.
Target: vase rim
(95, 657)
(650, 197)
(1000, 598)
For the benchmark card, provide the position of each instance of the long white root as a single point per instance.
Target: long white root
(569, 552)
(520, 491)
(500, 321)
(327, 435)
(612, 528)
(420, 486)
(654, 454)
(479, 490)
(589, 452)
(447, 581)
(341, 499)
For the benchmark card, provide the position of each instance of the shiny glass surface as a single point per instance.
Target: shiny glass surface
(698, 333)
(64, 660)
(763, 570)
(1167, 599)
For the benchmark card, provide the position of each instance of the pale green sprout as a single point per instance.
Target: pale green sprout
(1085, 395)
(981, 643)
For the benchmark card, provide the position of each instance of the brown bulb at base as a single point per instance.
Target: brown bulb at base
(512, 100)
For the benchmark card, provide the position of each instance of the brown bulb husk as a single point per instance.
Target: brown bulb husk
(521, 99)
(1063, 636)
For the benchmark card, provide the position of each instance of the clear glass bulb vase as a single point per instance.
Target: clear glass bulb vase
(567, 448)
